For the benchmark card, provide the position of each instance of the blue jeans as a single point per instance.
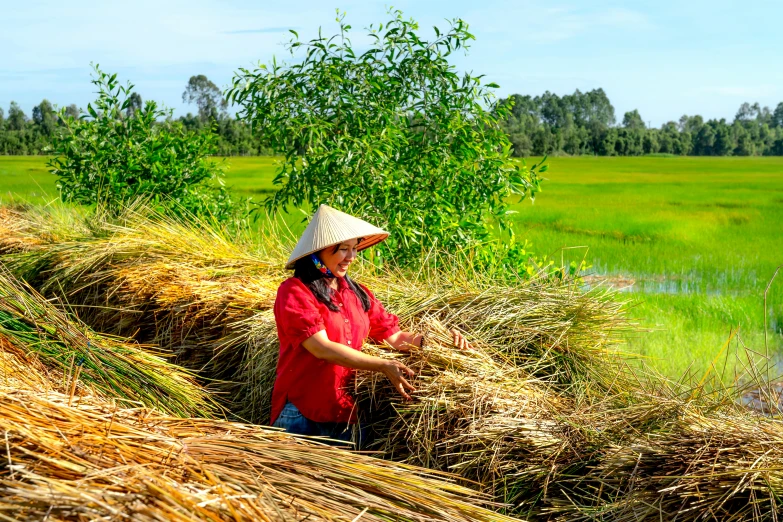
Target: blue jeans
(292, 421)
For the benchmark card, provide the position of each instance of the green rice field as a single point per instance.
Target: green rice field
(690, 242)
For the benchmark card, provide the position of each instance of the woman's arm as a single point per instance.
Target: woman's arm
(401, 341)
(321, 347)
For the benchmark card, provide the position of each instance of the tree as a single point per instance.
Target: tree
(207, 96)
(72, 111)
(2, 118)
(392, 135)
(777, 117)
(704, 141)
(16, 117)
(745, 143)
(134, 104)
(650, 142)
(109, 158)
(724, 141)
(45, 118)
(598, 109)
(552, 110)
(746, 112)
(633, 120)
(691, 124)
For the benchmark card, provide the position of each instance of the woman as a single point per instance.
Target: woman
(322, 320)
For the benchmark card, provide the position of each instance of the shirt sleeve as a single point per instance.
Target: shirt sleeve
(297, 313)
(382, 323)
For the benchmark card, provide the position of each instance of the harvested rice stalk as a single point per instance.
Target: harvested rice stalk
(726, 466)
(553, 330)
(98, 461)
(27, 227)
(487, 421)
(539, 417)
(112, 367)
(21, 369)
(200, 294)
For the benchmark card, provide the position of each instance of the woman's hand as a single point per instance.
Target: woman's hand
(396, 372)
(460, 341)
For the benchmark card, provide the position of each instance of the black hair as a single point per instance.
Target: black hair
(318, 283)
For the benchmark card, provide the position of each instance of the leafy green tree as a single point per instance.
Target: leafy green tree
(16, 117)
(633, 120)
(207, 96)
(776, 147)
(745, 143)
(2, 118)
(134, 104)
(44, 118)
(109, 158)
(392, 134)
(553, 111)
(72, 111)
(650, 142)
(724, 140)
(704, 141)
(691, 124)
(746, 112)
(777, 116)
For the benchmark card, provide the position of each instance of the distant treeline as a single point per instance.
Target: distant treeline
(584, 123)
(575, 124)
(21, 135)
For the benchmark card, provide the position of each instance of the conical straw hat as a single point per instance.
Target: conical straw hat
(330, 227)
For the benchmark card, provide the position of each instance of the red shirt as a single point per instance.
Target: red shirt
(319, 389)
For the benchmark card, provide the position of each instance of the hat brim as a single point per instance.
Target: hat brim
(366, 242)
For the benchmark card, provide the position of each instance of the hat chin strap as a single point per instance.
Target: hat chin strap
(320, 266)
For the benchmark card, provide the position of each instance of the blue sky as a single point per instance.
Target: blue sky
(665, 58)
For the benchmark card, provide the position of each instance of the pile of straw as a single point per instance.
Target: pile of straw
(159, 281)
(655, 455)
(98, 461)
(543, 414)
(24, 227)
(207, 298)
(88, 458)
(114, 368)
(490, 422)
(720, 466)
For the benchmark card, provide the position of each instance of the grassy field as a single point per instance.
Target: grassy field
(692, 241)
(698, 237)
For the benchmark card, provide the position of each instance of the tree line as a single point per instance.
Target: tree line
(22, 135)
(585, 123)
(573, 124)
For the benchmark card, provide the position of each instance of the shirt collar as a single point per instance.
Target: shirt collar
(341, 283)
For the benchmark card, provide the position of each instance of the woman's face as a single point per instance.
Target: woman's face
(338, 259)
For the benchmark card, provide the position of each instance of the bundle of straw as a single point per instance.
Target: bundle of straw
(552, 329)
(21, 369)
(207, 297)
(15, 231)
(114, 368)
(26, 227)
(657, 455)
(98, 461)
(492, 423)
(542, 414)
(724, 466)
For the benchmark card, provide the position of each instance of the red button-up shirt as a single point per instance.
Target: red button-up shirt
(320, 390)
